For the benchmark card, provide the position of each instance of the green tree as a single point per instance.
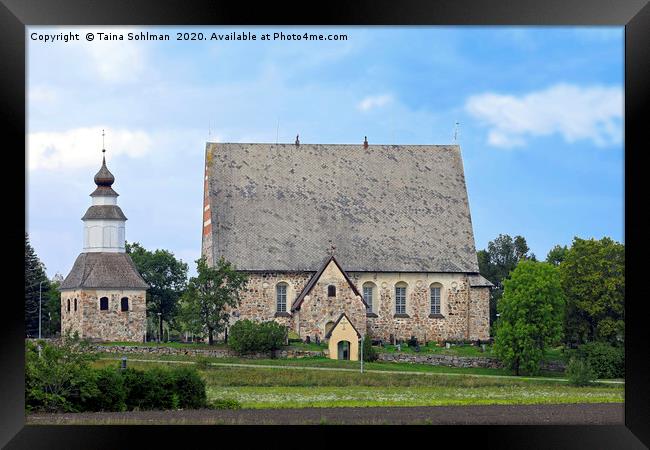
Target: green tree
(167, 279)
(58, 377)
(53, 320)
(498, 260)
(557, 254)
(212, 292)
(593, 280)
(531, 316)
(37, 287)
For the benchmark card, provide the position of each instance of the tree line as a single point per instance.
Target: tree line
(574, 298)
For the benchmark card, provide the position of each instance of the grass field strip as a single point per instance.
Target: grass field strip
(341, 369)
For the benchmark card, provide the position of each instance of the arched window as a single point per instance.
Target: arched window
(331, 290)
(368, 294)
(400, 298)
(75, 304)
(103, 303)
(124, 304)
(68, 305)
(281, 297)
(434, 294)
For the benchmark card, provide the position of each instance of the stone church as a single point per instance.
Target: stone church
(103, 296)
(376, 239)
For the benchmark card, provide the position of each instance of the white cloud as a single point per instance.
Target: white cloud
(81, 147)
(594, 113)
(374, 101)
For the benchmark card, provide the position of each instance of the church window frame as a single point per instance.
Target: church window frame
(281, 292)
(75, 304)
(400, 297)
(369, 289)
(124, 304)
(103, 304)
(68, 305)
(435, 299)
(331, 290)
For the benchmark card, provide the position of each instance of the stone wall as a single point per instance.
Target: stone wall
(195, 352)
(108, 325)
(460, 361)
(319, 311)
(456, 321)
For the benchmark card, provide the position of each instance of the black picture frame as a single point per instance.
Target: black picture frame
(15, 15)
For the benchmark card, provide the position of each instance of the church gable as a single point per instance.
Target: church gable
(330, 282)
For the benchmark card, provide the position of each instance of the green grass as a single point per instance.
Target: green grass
(337, 396)
(282, 388)
(320, 361)
(552, 354)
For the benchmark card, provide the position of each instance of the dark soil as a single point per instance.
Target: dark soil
(562, 414)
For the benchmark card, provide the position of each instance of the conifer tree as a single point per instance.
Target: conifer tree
(35, 280)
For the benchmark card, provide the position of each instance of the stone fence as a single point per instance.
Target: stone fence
(459, 361)
(221, 352)
(214, 353)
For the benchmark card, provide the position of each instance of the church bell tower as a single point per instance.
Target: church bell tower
(104, 297)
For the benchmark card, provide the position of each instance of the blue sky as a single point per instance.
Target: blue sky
(540, 112)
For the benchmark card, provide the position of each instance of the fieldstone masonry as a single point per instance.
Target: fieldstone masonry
(110, 325)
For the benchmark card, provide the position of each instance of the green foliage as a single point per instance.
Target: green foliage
(531, 312)
(160, 388)
(556, 255)
(247, 336)
(501, 257)
(111, 392)
(593, 280)
(606, 360)
(60, 379)
(36, 285)
(167, 279)
(579, 372)
(211, 292)
(369, 352)
(225, 403)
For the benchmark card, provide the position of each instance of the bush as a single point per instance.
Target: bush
(111, 393)
(606, 360)
(369, 353)
(60, 378)
(579, 372)
(226, 403)
(164, 389)
(190, 388)
(247, 336)
(413, 342)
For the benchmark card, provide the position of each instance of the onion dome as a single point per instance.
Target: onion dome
(104, 177)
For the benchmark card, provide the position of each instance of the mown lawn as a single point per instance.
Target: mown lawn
(326, 362)
(277, 388)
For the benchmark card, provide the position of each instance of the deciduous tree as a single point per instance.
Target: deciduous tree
(593, 280)
(211, 292)
(531, 316)
(167, 279)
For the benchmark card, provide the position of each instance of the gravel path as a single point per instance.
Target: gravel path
(564, 414)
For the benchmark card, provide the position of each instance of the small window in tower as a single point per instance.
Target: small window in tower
(124, 304)
(75, 304)
(331, 291)
(68, 305)
(103, 303)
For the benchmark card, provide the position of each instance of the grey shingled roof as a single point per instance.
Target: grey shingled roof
(479, 280)
(104, 270)
(104, 212)
(386, 207)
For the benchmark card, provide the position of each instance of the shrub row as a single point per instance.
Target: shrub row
(247, 336)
